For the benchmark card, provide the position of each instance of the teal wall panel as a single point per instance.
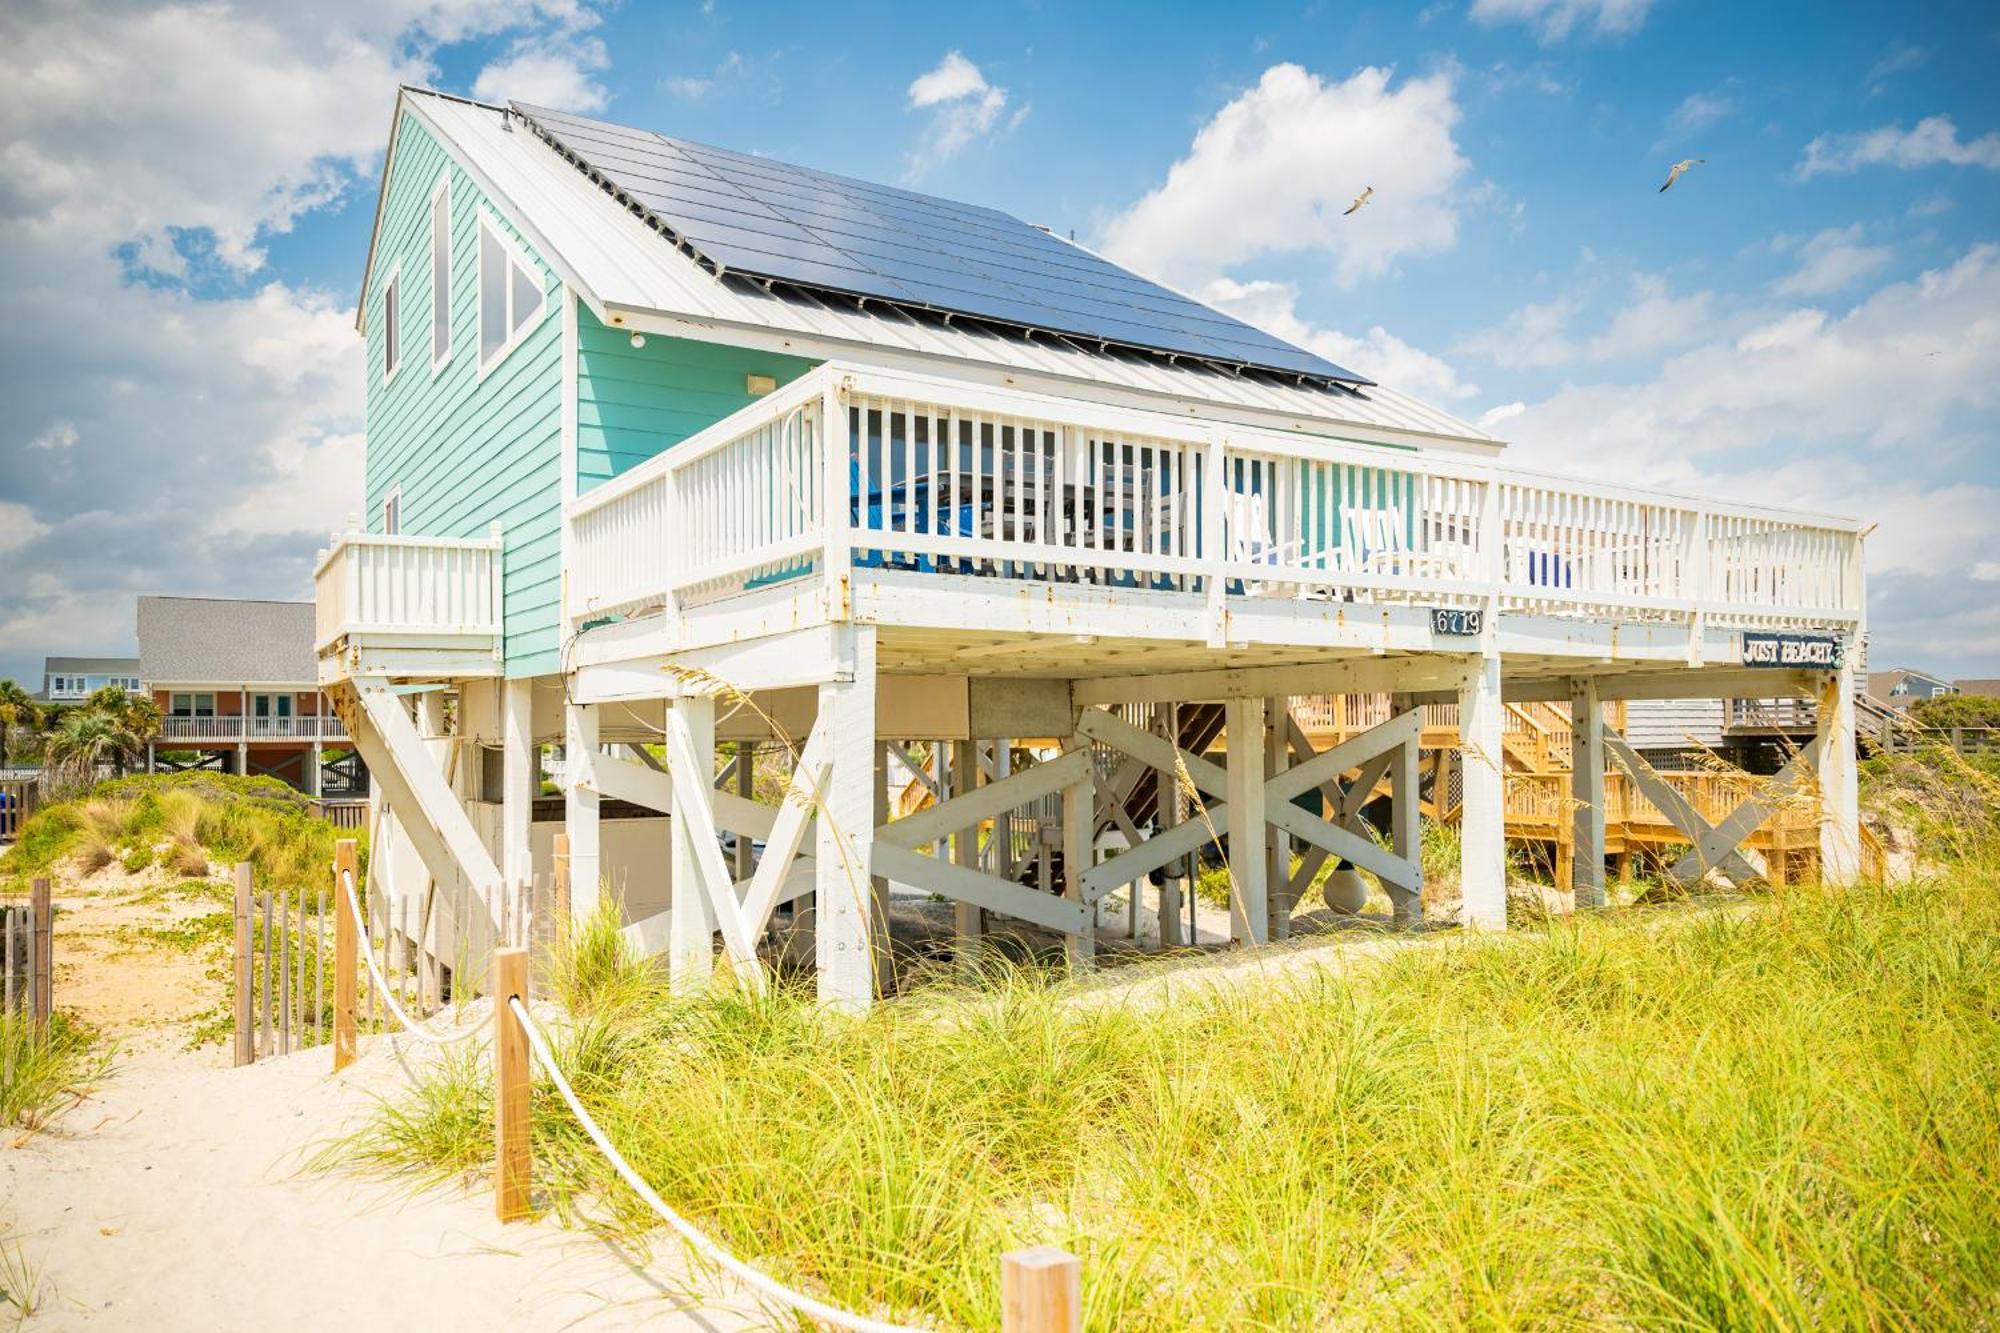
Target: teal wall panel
(632, 403)
(468, 451)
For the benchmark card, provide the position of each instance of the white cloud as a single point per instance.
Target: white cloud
(963, 107)
(1832, 261)
(1554, 20)
(558, 71)
(1883, 413)
(62, 435)
(1899, 59)
(1653, 321)
(1493, 417)
(1933, 141)
(1271, 173)
(18, 525)
(1698, 111)
(150, 439)
(1986, 571)
(1541, 335)
(1378, 354)
(1536, 336)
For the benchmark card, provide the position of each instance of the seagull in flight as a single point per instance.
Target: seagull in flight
(1359, 200)
(1678, 168)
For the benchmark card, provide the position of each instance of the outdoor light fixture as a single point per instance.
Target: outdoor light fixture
(638, 340)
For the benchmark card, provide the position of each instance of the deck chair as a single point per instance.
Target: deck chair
(1377, 542)
(1251, 543)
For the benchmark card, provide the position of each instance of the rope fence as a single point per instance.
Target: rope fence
(1041, 1289)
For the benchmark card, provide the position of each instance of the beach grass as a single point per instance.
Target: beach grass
(1775, 1111)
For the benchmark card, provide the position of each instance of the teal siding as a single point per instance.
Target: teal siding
(634, 402)
(467, 452)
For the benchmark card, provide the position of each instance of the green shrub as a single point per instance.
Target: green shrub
(1956, 710)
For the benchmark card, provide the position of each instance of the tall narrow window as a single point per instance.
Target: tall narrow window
(392, 512)
(441, 273)
(392, 340)
(510, 295)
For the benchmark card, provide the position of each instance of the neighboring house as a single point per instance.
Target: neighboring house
(236, 685)
(1984, 688)
(1904, 686)
(71, 680)
(650, 422)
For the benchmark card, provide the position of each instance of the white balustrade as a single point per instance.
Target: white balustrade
(940, 477)
(440, 586)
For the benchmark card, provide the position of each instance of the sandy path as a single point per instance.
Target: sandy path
(177, 1198)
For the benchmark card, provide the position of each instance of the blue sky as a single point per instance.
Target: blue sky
(1811, 317)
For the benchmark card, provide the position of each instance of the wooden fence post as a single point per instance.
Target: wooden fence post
(246, 1043)
(41, 1002)
(559, 889)
(1041, 1291)
(512, 1157)
(344, 958)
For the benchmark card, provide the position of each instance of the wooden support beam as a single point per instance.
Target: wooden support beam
(246, 1049)
(428, 812)
(1680, 812)
(994, 799)
(965, 885)
(346, 948)
(1724, 838)
(1160, 850)
(1109, 729)
(1078, 835)
(1839, 775)
(1335, 760)
(967, 923)
(1482, 829)
(690, 758)
(1248, 814)
(513, 1160)
(1586, 790)
(581, 806)
(842, 896)
(789, 831)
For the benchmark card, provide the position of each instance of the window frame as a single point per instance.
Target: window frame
(441, 310)
(490, 222)
(392, 504)
(392, 323)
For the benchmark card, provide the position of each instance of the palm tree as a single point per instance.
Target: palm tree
(17, 710)
(136, 715)
(85, 741)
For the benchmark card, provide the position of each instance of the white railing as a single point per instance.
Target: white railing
(858, 468)
(734, 506)
(232, 727)
(437, 586)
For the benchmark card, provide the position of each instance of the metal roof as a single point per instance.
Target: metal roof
(820, 232)
(220, 641)
(623, 268)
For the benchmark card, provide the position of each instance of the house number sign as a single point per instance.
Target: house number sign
(1457, 622)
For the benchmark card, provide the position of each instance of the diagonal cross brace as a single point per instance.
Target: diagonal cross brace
(1714, 846)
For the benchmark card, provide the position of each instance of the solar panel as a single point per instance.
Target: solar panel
(763, 219)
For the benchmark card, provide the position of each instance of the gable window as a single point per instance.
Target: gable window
(392, 512)
(510, 295)
(392, 319)
(441, 273)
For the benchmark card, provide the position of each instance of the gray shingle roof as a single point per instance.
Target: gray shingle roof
(210, 640)
(90, 666)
